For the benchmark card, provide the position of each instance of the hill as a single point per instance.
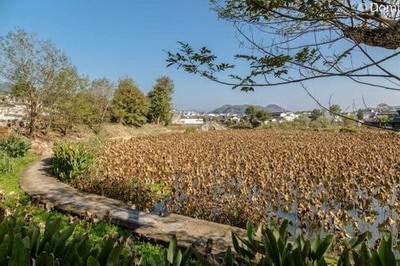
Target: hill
(240, 109)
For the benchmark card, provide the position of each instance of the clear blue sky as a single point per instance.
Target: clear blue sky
(121, 38)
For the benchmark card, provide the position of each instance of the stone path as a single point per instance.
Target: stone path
(189, 231)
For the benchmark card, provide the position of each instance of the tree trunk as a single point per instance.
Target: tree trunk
(32, 118)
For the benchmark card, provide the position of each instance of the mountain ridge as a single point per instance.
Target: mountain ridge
(241, 108)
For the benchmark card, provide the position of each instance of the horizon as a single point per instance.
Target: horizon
(131, 39)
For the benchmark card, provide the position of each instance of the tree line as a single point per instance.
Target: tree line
(57, 97)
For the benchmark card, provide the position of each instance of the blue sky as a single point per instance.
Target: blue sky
(121, 38)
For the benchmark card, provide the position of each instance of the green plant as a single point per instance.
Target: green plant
(348, 130)
(272, 247)
(24, 243)
(357, 252)
(172, 256)
(6, 163)
(71, 159)
(190, 130)
(15, 145)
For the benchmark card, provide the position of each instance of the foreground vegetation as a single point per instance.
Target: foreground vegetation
(19, 215)
(25, 242)
(34, 236)
(341, 182)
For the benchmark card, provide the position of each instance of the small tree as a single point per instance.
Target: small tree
(350, 122)
(315, 114)
(360, 114)
(129, 105)
(303, 121)
(256, 116)
(161, 101)
(335, 109)
(383, 120)
(100, 96)
(60, 105)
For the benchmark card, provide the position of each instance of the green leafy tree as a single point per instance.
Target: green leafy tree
(315, 114)
(350, 122)
(360, 114)
(129, 105)
(256, 116)
(33, 67)
(89, 109)
(335, 109)
(160, 98)
(61, 103)
(384, 120)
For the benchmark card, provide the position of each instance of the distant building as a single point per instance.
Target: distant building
(289, 116)
(11, 111)
(189, 121)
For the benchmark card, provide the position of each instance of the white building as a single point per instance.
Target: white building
(189, 121)
(289, 117)
(11, 111)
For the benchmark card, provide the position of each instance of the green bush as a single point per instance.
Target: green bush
(6, 163)
(190, 130)
(71, 159)
(15, 145)
(348, 130)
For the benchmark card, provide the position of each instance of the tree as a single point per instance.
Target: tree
(384, 108)
(101, 92)
(34, 68)
(350, 122)
(160, 98)
(89, 109)
(296, 41)
(256, 116)
(360, 114)
(335, 109)
(384, 120)
(129, 105)
(60, 109)
(315, 114)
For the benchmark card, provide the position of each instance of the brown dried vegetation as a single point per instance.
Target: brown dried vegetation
(235, 176)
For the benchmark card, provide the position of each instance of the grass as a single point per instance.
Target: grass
(16, 198)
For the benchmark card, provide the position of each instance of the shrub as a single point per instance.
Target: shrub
(320, 122)
(15, 145)
(348, 130)
(189, 130)
(71, 159)
(6, 163)
(242, 124)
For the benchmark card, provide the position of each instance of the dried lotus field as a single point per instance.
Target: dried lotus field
(340, 182)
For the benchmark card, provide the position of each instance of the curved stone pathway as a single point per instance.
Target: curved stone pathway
(189, 231)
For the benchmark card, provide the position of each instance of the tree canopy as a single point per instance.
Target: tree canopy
(296, 41)
(129, 105)
(37, 70)
(160, 98)
(256, 116)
